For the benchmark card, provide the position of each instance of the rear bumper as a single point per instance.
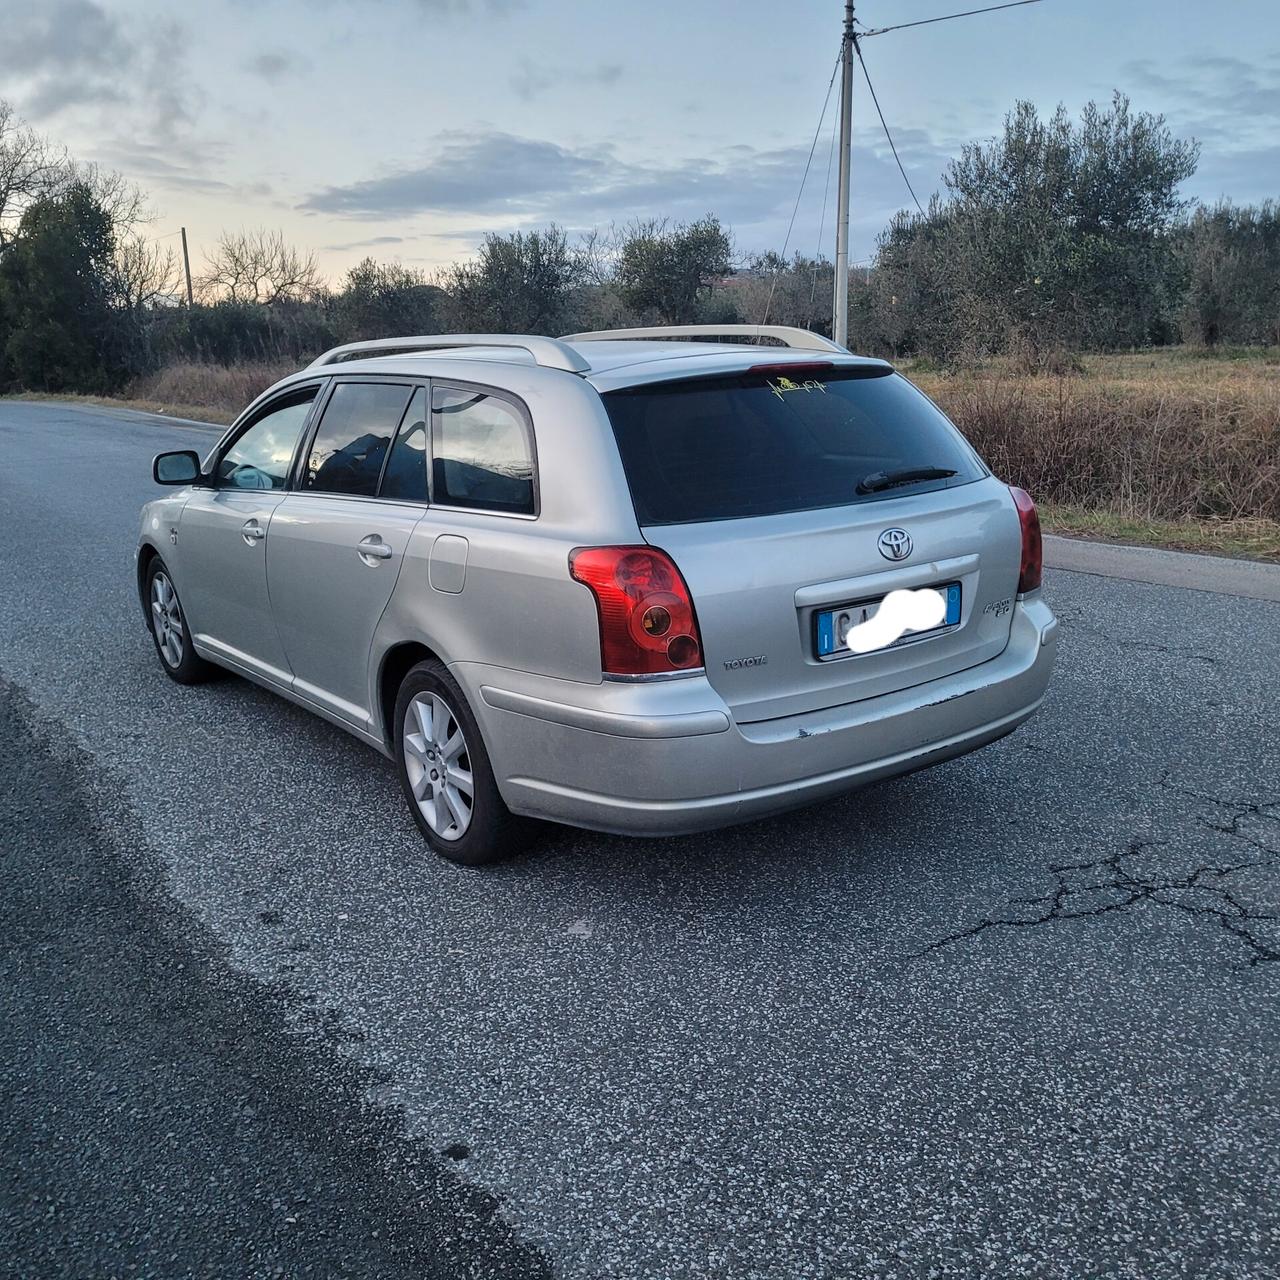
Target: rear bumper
(668, 759)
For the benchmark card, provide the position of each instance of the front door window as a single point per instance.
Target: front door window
(260, 456)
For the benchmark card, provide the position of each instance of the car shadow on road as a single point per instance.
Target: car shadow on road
(877, 854)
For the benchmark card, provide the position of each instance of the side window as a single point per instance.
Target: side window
(351, 441)
(406, 473)
(260, 456)
(482, 454)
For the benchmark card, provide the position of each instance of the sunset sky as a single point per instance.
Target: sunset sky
(405, 129)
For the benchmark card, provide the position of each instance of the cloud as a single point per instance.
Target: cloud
(1221, 100)
(64, 35)
(275, 65)
(155, 165)
(532, 78)
(473, 173)
(48, 96)
(510, 182)
(372, 243)
(63, 54)
(467, 6)
(1245, 176)
(439, 8)
(1231, 107)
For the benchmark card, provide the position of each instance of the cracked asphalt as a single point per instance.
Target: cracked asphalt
(1014, 1016)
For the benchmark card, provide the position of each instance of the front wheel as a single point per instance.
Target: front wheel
(445, 772)
(169, 630)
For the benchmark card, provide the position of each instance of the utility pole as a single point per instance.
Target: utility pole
(840, 311)
(850, 45)
(186, 266)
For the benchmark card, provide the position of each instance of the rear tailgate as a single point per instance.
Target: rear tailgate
(770, 487)
(759, 584)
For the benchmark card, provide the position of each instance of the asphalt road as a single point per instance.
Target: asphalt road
(1015, 1016)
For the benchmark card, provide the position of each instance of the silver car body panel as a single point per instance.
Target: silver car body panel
(328, 604)
(224, 578)
(304, 613)
(680, 774)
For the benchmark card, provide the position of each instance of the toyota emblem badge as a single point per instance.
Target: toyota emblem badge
(895, 544)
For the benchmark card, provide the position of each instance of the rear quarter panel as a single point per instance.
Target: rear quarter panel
(518, 607)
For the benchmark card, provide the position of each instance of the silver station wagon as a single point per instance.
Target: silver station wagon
(605, 580)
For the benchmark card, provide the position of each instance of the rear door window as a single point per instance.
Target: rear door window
(406, 474)
(759, 444)
(482, 452)
(351, 442)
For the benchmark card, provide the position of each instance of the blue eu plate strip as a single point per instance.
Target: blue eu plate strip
(826, 633)
(953, 604)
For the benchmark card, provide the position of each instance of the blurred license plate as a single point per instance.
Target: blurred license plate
(833, 624)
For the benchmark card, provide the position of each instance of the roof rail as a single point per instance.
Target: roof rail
(548, 352)
(787, 335)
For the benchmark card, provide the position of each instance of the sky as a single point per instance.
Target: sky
(406, 129)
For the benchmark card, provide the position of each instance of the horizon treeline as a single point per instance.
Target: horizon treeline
(1060, 236)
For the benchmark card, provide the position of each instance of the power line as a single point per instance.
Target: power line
(822, 222)
(849, 44)
(946, 17)
(773, 284)
(892, 147)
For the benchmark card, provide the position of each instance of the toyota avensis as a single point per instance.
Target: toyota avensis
(604, 580)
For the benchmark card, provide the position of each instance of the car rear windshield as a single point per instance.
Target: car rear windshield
(756, 444)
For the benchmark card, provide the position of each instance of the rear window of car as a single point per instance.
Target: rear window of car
(764, 443)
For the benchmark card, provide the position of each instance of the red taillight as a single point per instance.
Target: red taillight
(647, 625)
(1032, 568)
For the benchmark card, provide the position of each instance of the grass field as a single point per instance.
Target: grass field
(1174, 447)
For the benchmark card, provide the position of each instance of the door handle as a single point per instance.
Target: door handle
(251, 531)
(373, 549)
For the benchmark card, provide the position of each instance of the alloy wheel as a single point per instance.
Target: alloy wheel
(439, 767)
(166, 619)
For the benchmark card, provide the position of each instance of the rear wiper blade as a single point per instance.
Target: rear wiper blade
(878, 480)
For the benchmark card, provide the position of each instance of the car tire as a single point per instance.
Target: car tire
(169, 631)
(439, 755)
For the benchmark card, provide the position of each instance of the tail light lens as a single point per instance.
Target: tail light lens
(1032, 569)
(647, 624)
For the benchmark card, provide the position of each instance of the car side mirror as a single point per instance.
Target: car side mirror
(182, 466)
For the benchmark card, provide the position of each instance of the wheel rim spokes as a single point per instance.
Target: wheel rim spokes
(166, 620)
(439, 769)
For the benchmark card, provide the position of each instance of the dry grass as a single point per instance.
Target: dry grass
(187, 389)
(1249, 539)
(210, 391)
(1173, 448)
(1161, 438)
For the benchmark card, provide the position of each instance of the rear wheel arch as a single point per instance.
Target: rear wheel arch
(396, 663)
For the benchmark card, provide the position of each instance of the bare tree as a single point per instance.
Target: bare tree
(122, 201)
(30, 167)
(258, 266)
(146, 273)
(598, 252)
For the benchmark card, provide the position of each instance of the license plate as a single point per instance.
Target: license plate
(833, 624)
